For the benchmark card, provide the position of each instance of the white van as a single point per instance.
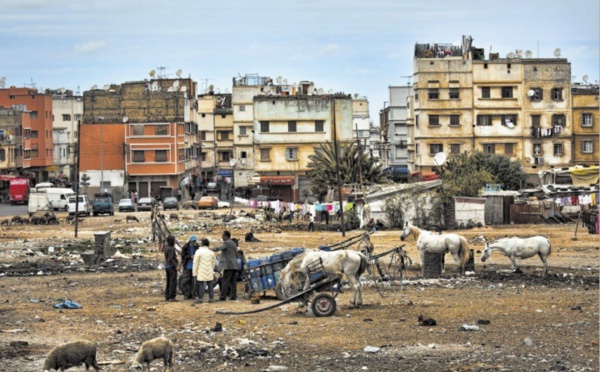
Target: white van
(84, 205)
(59, 197)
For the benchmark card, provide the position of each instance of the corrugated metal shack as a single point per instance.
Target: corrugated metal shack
(497, 205)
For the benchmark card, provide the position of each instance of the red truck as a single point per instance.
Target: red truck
(19, 190)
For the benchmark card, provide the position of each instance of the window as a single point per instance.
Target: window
(2, 155)
(242, 108)
(489, 148)
(484, 119)
(509, 149)
(587, 147)
(203, 135)
(454, 93)
(537, 149)
(243, 155)
(587, 119)
(485, 92)
(455, 148)
(34, 134)
(558, 149)
(265, 154)
(138, 130)
(243, 131)
(77, 117)
(319, 126)
(224, 156)
(203, 156)
(434, 148)
(509, 120)
(34, 153)
(538, 94)
(417, 97)
(66, 117)
(223, 136)
(291, 126)
(33, 114)
(291, 153)
(507, 92)
(417, 121)
(558, 121)
(535, 120)
(161, 130)
(160, 156)
(403, 144)
(434, 94)
(556, 94)
(434, 120)
(138, 156)
(454, 120)
(264, 126)
(398, 152)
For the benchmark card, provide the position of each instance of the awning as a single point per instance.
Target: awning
(584, 176)
(51, 168)
(225, 172)
(278, 180)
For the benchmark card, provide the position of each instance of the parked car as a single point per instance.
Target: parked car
(213, 187)
(126, 205)
(208, 202)
(223, 204)
(146, 204)
(84, 205)
(170, 202)
(103, 203)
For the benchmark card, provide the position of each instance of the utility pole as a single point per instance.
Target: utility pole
(77, 178)
(337, 168)
(360, 159)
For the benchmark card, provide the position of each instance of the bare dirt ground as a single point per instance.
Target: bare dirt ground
(535, 323)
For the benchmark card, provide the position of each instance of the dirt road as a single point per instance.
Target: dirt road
(535, 323)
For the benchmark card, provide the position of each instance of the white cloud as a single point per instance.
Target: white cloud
(330, 49)
(91, 47)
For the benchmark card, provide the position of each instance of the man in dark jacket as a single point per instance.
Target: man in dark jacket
(228, 263)
(171, 268)
(187, 261)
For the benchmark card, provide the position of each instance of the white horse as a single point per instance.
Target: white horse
(351, 264)
(429, 242)
(520, 248)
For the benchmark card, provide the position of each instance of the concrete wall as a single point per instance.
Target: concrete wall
(472, 209)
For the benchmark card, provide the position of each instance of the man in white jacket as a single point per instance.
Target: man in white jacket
(203, 271)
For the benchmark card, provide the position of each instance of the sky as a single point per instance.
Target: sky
(346, 46)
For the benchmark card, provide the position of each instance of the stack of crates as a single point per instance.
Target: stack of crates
(265, 273)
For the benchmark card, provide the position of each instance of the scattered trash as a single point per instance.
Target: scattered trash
(13, 330)
(429, 322)
(465, 327)
(576, 307)
(483, 321)
(274, 368)
(527, 342)
(151, 308)
(217, 328)
(367, 320)
(68, 305)
(372, 349)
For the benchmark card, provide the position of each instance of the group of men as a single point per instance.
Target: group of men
(199, 267)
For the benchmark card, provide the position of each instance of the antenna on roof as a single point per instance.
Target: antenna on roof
(2, 81)
(355, 95)
(557, 52)
(279, 78)
(284, 81)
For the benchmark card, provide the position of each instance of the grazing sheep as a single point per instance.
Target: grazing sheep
(17, 220)
(51, 218)
(189, 204)
(160, 347)
(4, 222)
(70, 218)
(131, 218)
(174, 216)
(38, 220)
(72, 354)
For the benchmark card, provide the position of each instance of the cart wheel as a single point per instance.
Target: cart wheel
(279, 292)
(323, 305)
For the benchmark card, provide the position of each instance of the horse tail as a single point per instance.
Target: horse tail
(363, 265)
(465, 252)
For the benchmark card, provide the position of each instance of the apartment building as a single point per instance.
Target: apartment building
(585, 118)
(15, 140)
(361, 122)
(288, 129)
(39, 107)
(141, 136)
(67, 110)
(516, 106)
(397, 127)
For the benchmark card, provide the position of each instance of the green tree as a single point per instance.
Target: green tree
(322, 168)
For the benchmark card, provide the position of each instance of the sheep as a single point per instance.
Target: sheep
(174, 216)
(17, 220)
(4, 222)
(70, 219)
(131, 218)
(160, 347)
(72, 354)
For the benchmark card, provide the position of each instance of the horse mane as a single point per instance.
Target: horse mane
(415, 231)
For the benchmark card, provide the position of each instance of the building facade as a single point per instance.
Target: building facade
(397, 126)
(67, 110)
(585, 120)
(141, 136)
(15, 141)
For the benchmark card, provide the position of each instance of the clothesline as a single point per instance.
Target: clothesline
(302, 208)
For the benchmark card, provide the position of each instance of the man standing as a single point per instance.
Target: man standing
(203, 271)
(170, 268)
(228, 263)
(187, 261)
(311, 224)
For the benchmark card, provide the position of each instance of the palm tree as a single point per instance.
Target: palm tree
(323, 173)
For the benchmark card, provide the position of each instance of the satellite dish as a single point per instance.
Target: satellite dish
(439, 159)
(178, 73)
(320, 91)
(519, 53)
(530, 93)
(211, 88)
(155, 86)
(311, 90)
(528, 54)
(279, 80)
(10, 138)
(557, 52)
(152, 73)
(106, 86)
(510, 55)
(94, 87)
(284, 81)
(125, 119)
(183, 89)
(585, 78)
(355, 95)
(232, 162)
(176, 84)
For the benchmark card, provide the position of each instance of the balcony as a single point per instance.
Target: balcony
(538, 132)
